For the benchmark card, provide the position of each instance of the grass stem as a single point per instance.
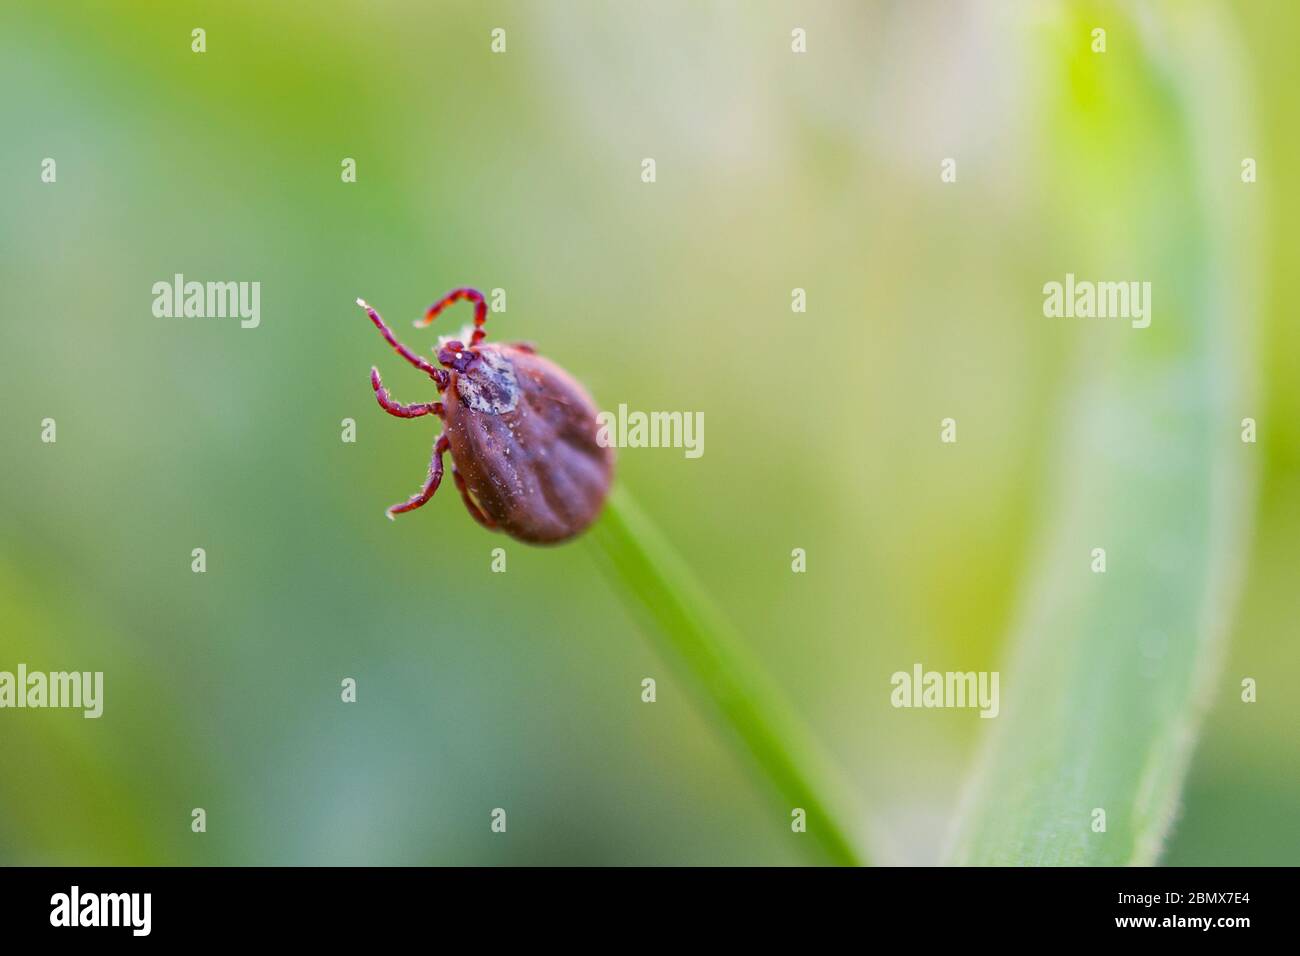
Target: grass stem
(686, 626)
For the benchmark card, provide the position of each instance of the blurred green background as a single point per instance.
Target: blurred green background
(522, 171)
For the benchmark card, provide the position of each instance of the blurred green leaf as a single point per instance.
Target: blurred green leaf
(1110, 673)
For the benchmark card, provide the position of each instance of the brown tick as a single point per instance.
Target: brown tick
(521, 432)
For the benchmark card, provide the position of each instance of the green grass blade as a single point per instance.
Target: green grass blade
(1111, 673)
(685, 626)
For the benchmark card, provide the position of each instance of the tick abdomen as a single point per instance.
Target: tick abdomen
(523, 436)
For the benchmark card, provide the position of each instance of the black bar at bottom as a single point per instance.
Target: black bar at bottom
(371, 905)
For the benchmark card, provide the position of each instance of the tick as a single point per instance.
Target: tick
(521, 432)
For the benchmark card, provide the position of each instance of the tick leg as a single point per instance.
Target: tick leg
(430, 484)
(397, 409)
(474, 511)
(440, 375)
(455, 295)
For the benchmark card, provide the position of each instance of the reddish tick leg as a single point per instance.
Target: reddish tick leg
(439, 375)
(474, 511)
(455, 295)
(430, 484)
(397, 409)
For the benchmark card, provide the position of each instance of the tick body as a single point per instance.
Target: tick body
(521, 432)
